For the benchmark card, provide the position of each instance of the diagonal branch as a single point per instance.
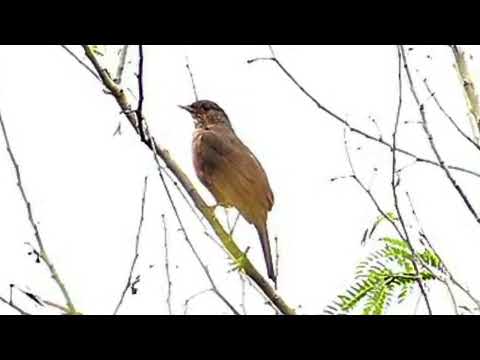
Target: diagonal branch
(135, 257)
(189, 69)
(42, 253)
(426, 129)
(395, 185)
(13, 306)
(167, 266)
(386, 217)
(470, 93)
(139, 110)
(354, 129)
(121, 64)
(453, 122)
(228, 242)
(80, 61)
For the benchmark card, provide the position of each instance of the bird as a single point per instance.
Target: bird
(230, 170)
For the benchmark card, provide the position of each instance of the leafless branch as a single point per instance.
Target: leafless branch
(394, 182)
(444, 265)
(136, 255)
(81, 62)
(187, 302)
(470, 93)
(242, 304)
(121, 64)
(139, 111)
(13, 306)
(386, 217)
(453, 122)
(270, 47)
(277, 260)
(167, 266)
(185, 234)
(42, 252)
(191, 78)
(429, 135)
(232, 230)
(354, 129)
(452, 297)
(227, 241)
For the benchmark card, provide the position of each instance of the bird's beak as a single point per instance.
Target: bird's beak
(186, 108)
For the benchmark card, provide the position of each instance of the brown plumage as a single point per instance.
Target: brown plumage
(230, 171)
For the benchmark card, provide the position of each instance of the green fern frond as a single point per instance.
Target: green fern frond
(385, 276)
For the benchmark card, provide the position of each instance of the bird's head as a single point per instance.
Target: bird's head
(207, 113)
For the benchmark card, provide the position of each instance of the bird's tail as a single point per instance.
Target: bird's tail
(267, 252)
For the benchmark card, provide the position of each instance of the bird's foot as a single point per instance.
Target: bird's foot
(239, 263)
(213, 208)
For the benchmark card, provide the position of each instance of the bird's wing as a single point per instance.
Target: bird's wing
(231, 172)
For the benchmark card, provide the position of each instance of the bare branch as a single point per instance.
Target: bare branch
(191, 78)
(13, 306)
(81, 62)
(444, 265)
(277, 260)
(139, 111)
(386, 217)
(453, 122)
(167, 266)
(421, 109)
(354, 129)
(452, 297)
(242, 304)
(200, 204)
(470, 93)
(186, 237)
(187, 302)
(136, 255)
(42, 253)
(121, 64)
(270, 47)
(394, 184)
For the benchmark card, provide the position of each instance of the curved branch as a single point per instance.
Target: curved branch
(42, 253)
(354, 129)
(426, 129)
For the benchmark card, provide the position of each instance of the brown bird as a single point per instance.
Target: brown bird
(230, 171)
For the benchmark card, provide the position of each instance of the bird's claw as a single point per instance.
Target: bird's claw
(239, 263)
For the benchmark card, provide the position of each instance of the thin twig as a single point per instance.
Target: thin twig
(394, 184)
(354, 129)
(167, 266)
(429, 135)
(470, 93)
(139, 110)
(452, 297)
(187, 301)
(121, 64)
(386, 217)
(270, 47)
(235, 224)
(191, 78)
(277, 261)
(185, 234)
(227, 241)
(13, 306)
(42, 252)
(81, 62)
(453, 122)
(243, 297)
(136, 255)
(444, 266)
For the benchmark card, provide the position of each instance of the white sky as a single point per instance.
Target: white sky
(85, 185)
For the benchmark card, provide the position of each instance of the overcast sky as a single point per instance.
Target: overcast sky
(85, 184)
